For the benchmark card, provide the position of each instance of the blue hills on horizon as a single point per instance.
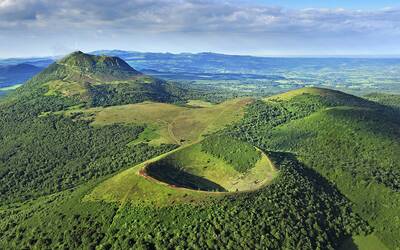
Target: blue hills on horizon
(352, 73)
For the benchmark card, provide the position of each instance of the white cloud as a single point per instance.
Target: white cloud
(179, 15)
(202, 18)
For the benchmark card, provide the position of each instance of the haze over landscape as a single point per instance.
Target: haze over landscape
(200, 124)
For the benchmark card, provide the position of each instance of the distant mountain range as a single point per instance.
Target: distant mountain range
(13, 74)
(356, 75)
(207, 62)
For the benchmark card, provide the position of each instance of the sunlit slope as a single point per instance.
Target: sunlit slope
(168, 123)
(199, 166)
(186, 174)
(307, 90)
(328, 96)
(368, 242)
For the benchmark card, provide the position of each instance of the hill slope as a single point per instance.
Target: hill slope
(97, 81)
(57, 152)
(385, 99)
(350, 141)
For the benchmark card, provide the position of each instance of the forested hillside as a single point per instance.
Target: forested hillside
(355, 145)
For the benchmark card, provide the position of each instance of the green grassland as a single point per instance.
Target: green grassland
(294, 93)
(169, 123)
(149, 182)
(130, 186)
(199, 103)
(193, 160)
(67, 89)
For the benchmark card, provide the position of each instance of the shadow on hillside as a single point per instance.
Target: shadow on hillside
(178, 178)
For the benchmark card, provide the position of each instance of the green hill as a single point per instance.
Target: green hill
(201, 167)
(350, 141)
(327, 96)
(97, 81)
(98, 68)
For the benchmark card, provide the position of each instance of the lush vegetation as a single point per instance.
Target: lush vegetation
(42, 154)
(242, 156)
(356, 147)
(70, 176)
(385, 99)
(178, 177)
(129, 92)
(300, 209)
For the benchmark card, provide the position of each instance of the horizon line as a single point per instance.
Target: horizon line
(310, 56)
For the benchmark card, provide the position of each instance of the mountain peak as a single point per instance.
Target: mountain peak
(98, 81)
(98, 65)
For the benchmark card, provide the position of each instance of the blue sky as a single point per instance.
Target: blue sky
(260, 27)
